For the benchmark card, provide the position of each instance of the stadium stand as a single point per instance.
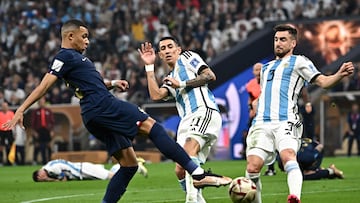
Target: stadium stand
(221, 30)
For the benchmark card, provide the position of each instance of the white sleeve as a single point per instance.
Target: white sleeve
(54, 171)
(193, 61)
(306, 68)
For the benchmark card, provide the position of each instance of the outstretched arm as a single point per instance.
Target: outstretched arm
(326, 82)
(47, 81)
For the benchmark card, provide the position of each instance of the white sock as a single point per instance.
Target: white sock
(182, 184)
(191, 191)
(255, 177)
(331, 171)
(294, 178)
(200, 198)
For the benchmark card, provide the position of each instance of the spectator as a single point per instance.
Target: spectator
(253, 89)
(55, 96)
(30, 27)
(6, 136)
(14, 95)
(20, 140)
(308, 113)
(344, 85)
(353, 133)
(355, 83)
(42, 121)
(2, 97)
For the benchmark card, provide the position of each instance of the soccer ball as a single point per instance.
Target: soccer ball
(242, 190)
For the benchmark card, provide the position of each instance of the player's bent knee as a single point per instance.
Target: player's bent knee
(146, 126)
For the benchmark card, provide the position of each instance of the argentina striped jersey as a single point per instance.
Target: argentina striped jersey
(189, 99)
(281, 83)
(59, 168)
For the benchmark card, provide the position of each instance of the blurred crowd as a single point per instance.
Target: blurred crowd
(30, 35)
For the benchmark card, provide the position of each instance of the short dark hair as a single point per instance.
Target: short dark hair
(72, 24)
(170, 38)
(35, 176)
(75, 22)
(287, 27)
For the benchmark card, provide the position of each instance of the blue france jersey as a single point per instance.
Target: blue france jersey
(189, 99)
(281, 82)
(81, 75)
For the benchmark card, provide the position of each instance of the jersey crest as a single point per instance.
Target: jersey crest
(194, 62)
(57, 65)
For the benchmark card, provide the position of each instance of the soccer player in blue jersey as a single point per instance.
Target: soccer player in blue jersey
(113, 121)
(186, 83)
(277, 124)
(310, 157)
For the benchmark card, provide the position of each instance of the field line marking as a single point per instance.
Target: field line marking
(318, 191)
(272, 194)
(57, 197)
(164, 201)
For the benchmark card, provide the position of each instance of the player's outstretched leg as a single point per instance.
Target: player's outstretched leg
(174, 151)
(209, 179)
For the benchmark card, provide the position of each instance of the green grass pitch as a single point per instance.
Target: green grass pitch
(161, 186)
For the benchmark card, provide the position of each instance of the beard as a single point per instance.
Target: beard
(281, 53)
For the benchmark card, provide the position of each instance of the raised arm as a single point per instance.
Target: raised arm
(147, 54)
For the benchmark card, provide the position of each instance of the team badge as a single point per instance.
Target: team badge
(194, 62)
(286, 65)
(57, 65)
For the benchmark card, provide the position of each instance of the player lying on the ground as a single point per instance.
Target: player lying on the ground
(310, 157)
(62, 170)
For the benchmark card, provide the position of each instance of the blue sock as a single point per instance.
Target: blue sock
(118, 183)
(170, 148)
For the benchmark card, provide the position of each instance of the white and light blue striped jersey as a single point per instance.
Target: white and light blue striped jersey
(281, 83)
(189, 99)
(60, 168)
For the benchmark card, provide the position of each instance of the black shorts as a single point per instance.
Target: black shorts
(6, 138)
(117, 125)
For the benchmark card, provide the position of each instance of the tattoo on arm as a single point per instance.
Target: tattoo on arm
(202, 79)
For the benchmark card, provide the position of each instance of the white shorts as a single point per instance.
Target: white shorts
(272, 136)
(204, 126)
(94, 171)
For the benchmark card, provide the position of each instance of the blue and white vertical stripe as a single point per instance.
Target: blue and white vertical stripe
(189, 99)
(281, 83)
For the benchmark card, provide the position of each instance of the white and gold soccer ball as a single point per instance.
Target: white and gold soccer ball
(242, 190)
